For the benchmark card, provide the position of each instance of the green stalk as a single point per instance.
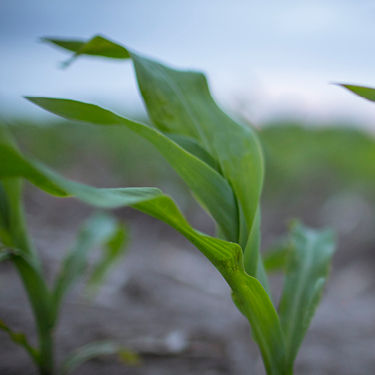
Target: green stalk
(29, 270)
(40, 300)
(244, 297)
(46, 348)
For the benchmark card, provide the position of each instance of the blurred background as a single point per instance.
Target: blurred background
(271, 64)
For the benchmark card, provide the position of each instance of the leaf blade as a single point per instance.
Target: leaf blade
(180, 102)
(20, 339)
(203, 180)
(93, 350)
(306, 273)
(95, 231)
(115, 247)
(96, 46)
(362, 91)
(227, 257)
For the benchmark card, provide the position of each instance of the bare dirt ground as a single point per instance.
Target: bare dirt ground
(167, 302)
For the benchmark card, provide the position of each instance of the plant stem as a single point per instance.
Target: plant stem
(31, 276)
(242, 293)
(46, 351)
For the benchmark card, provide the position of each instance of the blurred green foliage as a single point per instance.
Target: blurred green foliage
(336, 157)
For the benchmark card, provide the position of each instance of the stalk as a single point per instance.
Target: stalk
(274, 358)
(36, 289)
(46, 352)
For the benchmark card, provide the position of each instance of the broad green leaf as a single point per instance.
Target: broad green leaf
(148, 200)
(179, 102)
(306, 274)
(227, 257)
(210, 187)
(97, 349)
(20, 339)
(181, 107)
(96, 231)
(363, 91)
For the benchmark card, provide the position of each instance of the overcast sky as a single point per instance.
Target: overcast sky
(265, 58)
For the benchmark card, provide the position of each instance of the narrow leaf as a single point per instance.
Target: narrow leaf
(96, 46)
(94, 350)
(203, 180)
(227, 257)
(362, 91)
(114, 248)
(13, 232)
(20, 339)
(276, 258)
(306, 274)
(36, 288)
(96, 231)
(179, 102)
(253, 301)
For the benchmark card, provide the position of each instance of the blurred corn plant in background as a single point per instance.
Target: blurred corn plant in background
(100, 230)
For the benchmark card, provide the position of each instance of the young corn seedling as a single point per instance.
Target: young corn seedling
(16, 247)
(221, 162)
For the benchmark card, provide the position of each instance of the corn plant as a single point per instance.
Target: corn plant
(16, 247)
(221, 162)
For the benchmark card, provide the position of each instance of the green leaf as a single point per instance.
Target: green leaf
(276, 258)
(100, 229)
(362, 91)
(72, 45)
(97, 349)
(148, 200)
(36, 288)
(96, 46)
(5, 252)
(209, 186)
(253, 301)
(306, 274)
(20, 339)
(21, 252)
(114, 249)
(180, 103)
(192, 146)
(13, 231)
(227, 257)
(12, 165)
